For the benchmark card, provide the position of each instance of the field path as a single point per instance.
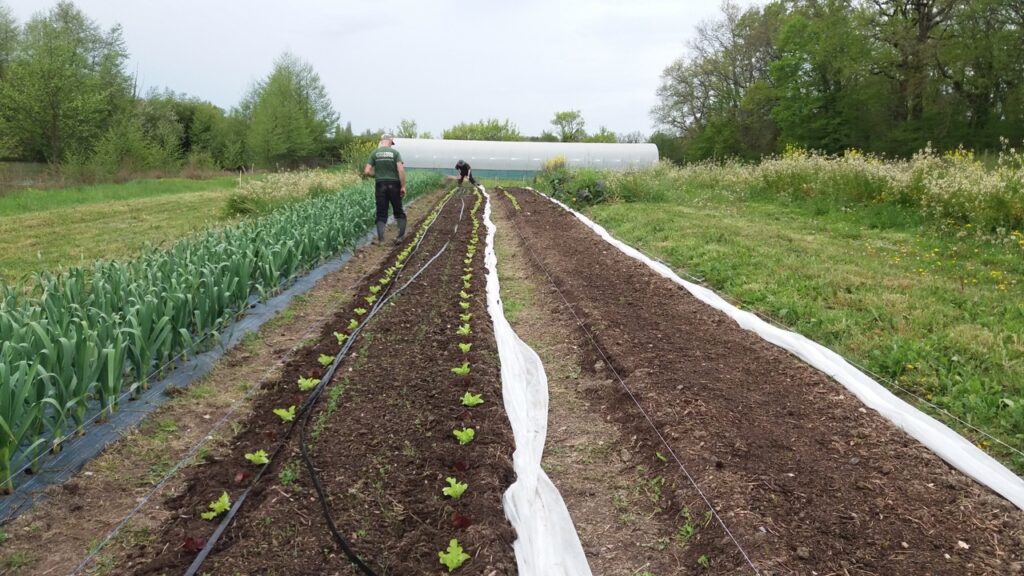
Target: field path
(805, 478)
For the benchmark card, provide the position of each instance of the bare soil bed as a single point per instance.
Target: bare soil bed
(806, 479)
(381, 438)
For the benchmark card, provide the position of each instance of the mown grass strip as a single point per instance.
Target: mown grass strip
(939, 314)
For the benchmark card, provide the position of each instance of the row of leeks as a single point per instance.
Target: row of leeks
(79, 340)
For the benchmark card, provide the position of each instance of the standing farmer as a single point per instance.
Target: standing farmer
(386, 166)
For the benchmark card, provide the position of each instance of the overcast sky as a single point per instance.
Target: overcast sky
(438, 62)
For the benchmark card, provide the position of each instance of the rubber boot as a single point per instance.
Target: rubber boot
(380, 231)
(401, 230)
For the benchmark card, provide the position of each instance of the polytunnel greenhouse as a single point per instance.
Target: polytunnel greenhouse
(520, 159)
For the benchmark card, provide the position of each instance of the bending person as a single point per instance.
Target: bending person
(464, 172)
(388, 170)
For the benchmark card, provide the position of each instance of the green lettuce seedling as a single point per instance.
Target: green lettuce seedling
(218, 507)
(464, 330)
(370, 299)
(467, 277)
(465, 435)
(286, 415)
(353, 324)
(469, 399)
(341, 337)
(325, 359)
(258, 457)
(374, 289)
(462, 370)
(466, 284)
(464, 305)
(465, 317)
(467, 261)
(454, 489)
(454, 557)
(465, 346)
(307, 384)
(465, 295)
(360, 311)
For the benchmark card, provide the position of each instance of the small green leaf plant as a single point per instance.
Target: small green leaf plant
(359, 311)
(285, 414)
(258, 457)
(454, 489)
(353, 324)
(454, 557)
(374, 289)
(461, 370)
(218, 507)
(307, 384)
(464, 305)
(465, 346)
(325, 360)
(466, 317)
(469, 399)
(464, 330)
(465, 435)
(341, 336)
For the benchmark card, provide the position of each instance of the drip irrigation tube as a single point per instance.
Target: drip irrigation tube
(306, 411)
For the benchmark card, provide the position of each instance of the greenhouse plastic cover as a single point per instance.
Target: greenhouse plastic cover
(939, 438)
(546, 543)
(522, 156)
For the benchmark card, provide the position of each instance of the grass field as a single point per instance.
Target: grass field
(30, 200)
(44, 230)
(939, 314)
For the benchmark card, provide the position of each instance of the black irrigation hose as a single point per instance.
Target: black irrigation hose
(306, 412)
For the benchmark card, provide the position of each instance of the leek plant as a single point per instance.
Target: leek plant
(74, 342)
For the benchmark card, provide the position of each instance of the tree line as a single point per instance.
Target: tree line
(885, 76)
(66, 99)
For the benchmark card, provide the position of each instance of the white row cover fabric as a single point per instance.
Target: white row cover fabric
(936, 436)
(546, 543)
(522, 156)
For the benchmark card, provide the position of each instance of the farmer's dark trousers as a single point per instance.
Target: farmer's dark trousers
(389, 192)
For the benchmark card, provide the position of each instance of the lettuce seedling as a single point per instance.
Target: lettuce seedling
(470, 399)
(466, 284)
(454, 489)
(286, 415)
(462, 370)
(464, 330)
(218, 507)
(341, 337)
(370, 299)
(467, 277)
(467, 269)
(454, 557)
(465, 346)
(325, 360)
(464, 305)
(465, 295)
(360, 311)
(374, 289)
(465, 317)
(352, 324)
(307, 384)
(467, 261)
(465, 435)
(258, 457)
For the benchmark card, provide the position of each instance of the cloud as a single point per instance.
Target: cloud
(439, 62)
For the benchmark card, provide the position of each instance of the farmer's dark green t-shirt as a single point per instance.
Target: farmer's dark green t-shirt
(385, 164)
